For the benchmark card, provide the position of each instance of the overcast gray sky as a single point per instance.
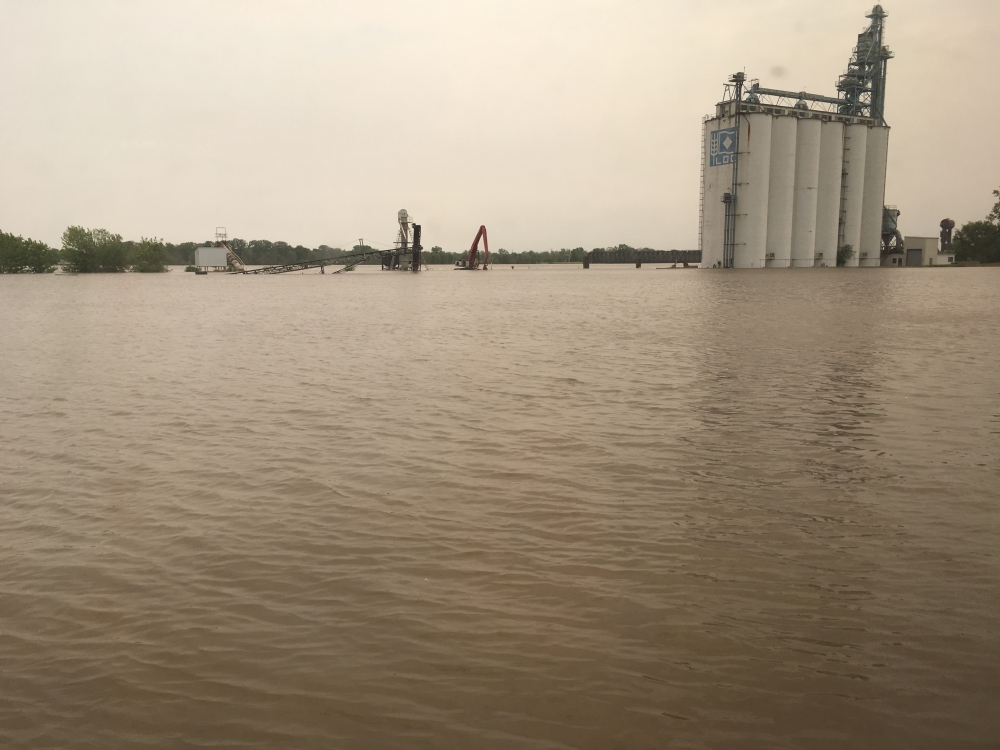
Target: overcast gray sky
(556, 123)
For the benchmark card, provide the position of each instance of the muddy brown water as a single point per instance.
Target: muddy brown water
(531, 508)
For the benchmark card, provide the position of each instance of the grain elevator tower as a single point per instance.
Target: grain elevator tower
(788, 178)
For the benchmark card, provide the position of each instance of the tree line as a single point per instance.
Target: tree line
(502, 256)
(267, 253)
(20, 255)
(100, 251)
(979, 241)
(83, 251)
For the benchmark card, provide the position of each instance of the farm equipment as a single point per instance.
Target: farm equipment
(473, 262)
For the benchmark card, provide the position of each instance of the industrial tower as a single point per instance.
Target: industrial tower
(406, 256)
(789, 178)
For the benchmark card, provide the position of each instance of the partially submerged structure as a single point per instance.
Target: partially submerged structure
(789, 178)
(406, 255)
(218, 256)
(476, 260)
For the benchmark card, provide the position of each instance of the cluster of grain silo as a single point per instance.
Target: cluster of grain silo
(788, 178)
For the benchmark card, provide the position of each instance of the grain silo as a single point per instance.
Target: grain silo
(788, 178)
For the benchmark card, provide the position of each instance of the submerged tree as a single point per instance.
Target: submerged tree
(150, 256)
(20, 255)
(93, 251)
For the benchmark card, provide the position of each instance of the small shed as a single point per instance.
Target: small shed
(210, 257)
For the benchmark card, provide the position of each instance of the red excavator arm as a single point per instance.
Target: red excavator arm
(475, 248)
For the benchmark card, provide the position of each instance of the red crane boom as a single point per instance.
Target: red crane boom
(475, 248)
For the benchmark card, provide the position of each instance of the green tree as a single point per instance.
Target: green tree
(994, 215)
(844, 254)
(359, 248)
(286, 253)
(150, 256)
(19, 255)
(182, 254)
(325, 251)
(980, 240)
(10, 253)
(40, 258)
(94, 251)
(260, 252)
(977, 241)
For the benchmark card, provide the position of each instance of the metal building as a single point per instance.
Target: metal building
(924, 251)
(406, 255)
(210, 257)
(788, 178)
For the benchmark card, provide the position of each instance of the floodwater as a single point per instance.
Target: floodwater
(531, 508)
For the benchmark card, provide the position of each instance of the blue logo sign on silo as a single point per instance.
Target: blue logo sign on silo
(723, 147)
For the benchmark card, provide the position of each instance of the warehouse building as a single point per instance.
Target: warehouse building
(923, 251)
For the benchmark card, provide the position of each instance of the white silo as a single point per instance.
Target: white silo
(717, 179)
(831, 167)
(755, 169)
(807, 152)
(810, 168)
(781, 193)
(855, 150)
(877, 152)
